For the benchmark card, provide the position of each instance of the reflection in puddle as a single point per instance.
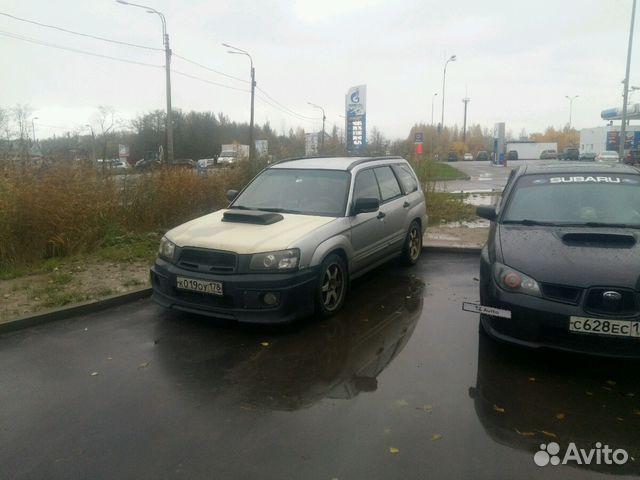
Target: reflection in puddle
(291, 369)
(524, 398)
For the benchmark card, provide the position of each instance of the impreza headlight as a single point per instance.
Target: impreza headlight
(512, 280)
(280, 260)
(167, 248)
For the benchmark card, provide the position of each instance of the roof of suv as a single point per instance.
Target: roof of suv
(328, 163)
(569, 167)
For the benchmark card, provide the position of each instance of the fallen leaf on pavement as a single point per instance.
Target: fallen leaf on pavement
(548, 434)
(436, 436)
(143, 365)
(532, 379)
(498, 409)
(401, 403)
(393, 450)
(525, 434)
(560, 416)
(425, 408)
(93, 374)
(264, 344)
(611, 382)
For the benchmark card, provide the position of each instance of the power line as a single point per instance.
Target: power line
(292, 112)
(74, 50)
(209, 81)
(298, 117)
(210, 69)
(95, 37)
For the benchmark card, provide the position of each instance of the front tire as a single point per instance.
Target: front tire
(412, 244)
(332, 285)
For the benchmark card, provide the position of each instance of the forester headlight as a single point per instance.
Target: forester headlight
(167, 248)
(280, 260)
(512, 280)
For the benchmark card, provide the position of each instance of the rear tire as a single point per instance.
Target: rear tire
(331, 290)
(412, 244)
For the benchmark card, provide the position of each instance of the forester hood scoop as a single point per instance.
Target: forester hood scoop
(254, 217)
(593, 239)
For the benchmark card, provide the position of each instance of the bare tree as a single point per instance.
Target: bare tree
(106, 118)
(21, 114)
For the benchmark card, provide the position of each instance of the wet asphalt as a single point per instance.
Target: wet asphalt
(139, 392)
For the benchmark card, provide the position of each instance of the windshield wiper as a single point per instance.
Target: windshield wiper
(529, 222)
(603, 225)
(277, 210)
(241, 207)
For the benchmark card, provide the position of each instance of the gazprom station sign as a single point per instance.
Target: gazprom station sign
(356, 119)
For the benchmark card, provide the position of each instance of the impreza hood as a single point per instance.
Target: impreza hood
(210, 231)
(573, 256)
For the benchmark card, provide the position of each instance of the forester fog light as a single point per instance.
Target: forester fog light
(270, 299)
(269, 260)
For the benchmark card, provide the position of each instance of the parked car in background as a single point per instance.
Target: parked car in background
(512, 155)
(467, 157)
(147, 164)
(204, 165)
(587, 156)
(482, 156)
(291, 241)
(182, 163)
(607, 156)
(113, 165)
(548, 155)
(452, 157)
(569, 153)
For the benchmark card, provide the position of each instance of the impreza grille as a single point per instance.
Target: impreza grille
(561, 293)
(596, 302)
(204, 260)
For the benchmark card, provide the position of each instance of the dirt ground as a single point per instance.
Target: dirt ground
(458, 236)
(68, 284)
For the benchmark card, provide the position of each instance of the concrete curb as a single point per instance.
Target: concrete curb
(93, 306)
(90, 306)
(451, 249)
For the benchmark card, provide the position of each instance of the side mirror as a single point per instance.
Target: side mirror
(487, 212)
(366, 205)
(231, 195)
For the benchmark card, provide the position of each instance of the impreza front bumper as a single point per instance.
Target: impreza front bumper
(542, 323)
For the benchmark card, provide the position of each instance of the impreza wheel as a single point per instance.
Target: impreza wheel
(412, 244)
(332, 285)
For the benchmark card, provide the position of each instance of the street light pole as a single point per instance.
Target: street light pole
(571, 99)
(167, 64)
(432, 99)
(33, 128)
(623, 127)
(444, 78)
(239, 51)
(324, 117)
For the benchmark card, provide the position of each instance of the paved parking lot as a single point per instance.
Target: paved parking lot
(400, 385)
(483, 176)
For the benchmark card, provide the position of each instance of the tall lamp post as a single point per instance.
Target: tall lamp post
(452, 58)
(239, 51)
(167, 65)
(432, 99)
(33, 128)
(324, 117)
(623, 127)
(571, 99)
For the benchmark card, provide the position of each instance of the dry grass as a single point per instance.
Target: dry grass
(65, 208)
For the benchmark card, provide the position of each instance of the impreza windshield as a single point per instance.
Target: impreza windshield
(303, 191)
(595, 200)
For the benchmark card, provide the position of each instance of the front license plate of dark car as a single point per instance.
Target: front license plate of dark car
(601, 326)
(202, 286)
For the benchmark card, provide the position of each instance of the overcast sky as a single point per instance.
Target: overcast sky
(516, 59)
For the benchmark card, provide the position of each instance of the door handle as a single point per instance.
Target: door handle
(381, 215)
(406, 204)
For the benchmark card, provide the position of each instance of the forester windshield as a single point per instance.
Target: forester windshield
(576, 199)
(304, 191)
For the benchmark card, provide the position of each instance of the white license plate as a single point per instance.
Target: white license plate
(601, 326)
(202, 286)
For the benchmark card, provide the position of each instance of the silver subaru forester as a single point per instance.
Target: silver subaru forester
(292, 239)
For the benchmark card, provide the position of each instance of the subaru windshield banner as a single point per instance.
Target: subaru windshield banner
(356, 115)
